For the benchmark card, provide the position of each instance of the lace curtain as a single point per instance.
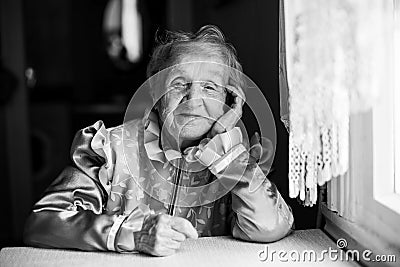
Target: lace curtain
(327, 50)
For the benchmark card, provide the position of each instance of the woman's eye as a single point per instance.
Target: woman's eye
(179, 86)
(210, 87)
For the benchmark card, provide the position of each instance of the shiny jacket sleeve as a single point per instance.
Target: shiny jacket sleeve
(71, 212)
(260, 215)
(259, 211)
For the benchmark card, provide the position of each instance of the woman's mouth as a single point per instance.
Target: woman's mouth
(189, 115)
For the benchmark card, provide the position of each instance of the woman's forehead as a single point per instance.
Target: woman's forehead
(200, 68)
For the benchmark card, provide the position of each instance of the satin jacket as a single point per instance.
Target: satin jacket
(120, 175)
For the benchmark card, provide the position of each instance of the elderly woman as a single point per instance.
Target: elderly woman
(182, 171)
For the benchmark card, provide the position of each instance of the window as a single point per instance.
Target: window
(386, 123)
(367, 201)
(396, 98)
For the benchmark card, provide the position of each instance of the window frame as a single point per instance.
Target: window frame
(396, 98)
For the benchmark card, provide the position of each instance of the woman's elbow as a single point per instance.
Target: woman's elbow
(30, 231)
(263, 233)
(35, 232)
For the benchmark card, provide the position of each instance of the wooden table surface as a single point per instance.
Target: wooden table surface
(205, 252)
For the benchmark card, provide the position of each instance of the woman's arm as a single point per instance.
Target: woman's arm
(261, 215)
(70, 214)
(259, 211)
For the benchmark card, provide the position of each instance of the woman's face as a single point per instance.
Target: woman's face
(195, 97)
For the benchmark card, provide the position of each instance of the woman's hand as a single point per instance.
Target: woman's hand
(162, 234)
(227, 121)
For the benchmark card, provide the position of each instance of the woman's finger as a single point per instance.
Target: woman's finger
(175, 235)
(183, 226)
(226, 122)
(238, 102)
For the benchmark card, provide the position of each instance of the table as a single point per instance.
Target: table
(205, 252)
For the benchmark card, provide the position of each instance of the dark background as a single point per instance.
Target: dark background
(76, 83)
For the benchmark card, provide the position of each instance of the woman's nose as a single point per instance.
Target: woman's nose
(194, 91)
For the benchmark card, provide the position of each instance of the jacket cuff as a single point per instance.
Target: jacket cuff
(120, 237)
(113, 232)
(223, 162)
(221, 150)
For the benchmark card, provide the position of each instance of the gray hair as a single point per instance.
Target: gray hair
(173, 45)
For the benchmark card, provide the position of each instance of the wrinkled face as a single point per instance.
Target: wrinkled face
(195, 97)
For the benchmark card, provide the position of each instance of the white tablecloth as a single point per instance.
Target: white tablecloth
(204, 252)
